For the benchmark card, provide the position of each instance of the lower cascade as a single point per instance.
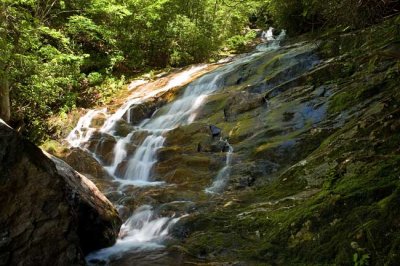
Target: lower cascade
(144, 230)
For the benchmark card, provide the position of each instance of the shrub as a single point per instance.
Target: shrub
(240, 42)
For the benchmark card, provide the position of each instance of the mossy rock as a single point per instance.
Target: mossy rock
(122, 128)
(335, 195)
(189, 135)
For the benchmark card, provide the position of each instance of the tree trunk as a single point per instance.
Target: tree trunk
(5, 113)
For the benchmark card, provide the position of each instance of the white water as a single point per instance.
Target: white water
(83, 130)
(141, 164)
(222, 178)
(268, 35)
(270, 41)
(140, 95)
(142, 231)
(180, 112)
(119, 153)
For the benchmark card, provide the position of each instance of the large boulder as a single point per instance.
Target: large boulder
(50, 214)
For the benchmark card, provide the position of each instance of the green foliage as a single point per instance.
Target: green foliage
(190, 42)
(361, 260)
(305, 15)
(109, 87)
(290, 15)
(240, 42)
(95, 78)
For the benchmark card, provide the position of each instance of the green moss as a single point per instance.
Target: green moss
(356, 211)
(273, 142)
(340, 102)
(214, 104)
(356, 93)
(54, 147)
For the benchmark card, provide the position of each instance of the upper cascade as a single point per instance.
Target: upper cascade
(270, 42)
(181, 111)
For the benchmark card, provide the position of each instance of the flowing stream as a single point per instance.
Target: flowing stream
(222, 178)
(146, 229)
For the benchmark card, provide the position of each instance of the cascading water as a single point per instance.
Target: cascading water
(268, 35)
(145, 229)
(141, 164)
(222, 178)
(180, 112)
(84, 130)
(143, 94)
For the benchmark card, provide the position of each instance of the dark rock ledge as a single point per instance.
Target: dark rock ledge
(49, 213)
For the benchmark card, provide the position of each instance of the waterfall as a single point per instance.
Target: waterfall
(222, 178)
(180, 112)
(145, 229)
(268, 35)
(141, 95)
(141, 164)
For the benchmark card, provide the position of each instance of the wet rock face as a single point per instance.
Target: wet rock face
(242, 102)
(102, 145)
(138, 112)
(46, 211)
(215, 131)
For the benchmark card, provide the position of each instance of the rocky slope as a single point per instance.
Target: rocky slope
(314, 173)
(50, 214)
